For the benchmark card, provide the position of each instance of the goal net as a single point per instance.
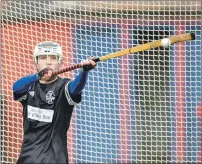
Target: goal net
(143, 107)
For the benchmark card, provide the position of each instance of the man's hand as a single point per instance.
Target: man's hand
(88, 64)
(45, 74)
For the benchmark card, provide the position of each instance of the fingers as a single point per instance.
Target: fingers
(49, 73)
(88, 64)
(45, 74)
(91, 62)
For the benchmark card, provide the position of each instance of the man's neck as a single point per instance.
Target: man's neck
(48, 82)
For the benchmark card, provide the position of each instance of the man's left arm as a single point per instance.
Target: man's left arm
(74, 88)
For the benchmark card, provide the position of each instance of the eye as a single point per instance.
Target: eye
(54, 57)
(42, 57)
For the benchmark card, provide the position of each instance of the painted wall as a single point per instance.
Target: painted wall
(18, 41)
(102, 128)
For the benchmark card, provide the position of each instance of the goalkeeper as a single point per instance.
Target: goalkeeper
(48, 102)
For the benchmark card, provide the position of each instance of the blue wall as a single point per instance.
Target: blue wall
(97, 117)
(97, 124)
(193, 93)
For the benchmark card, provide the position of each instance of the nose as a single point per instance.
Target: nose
(48, 60)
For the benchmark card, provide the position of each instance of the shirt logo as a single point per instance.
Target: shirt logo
(31, 93)
(50, 96)
(22, 98)
(43, 115)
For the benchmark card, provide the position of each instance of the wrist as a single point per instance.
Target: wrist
(37, 76)
(83, 70)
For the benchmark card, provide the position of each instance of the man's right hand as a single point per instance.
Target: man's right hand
(45, 74)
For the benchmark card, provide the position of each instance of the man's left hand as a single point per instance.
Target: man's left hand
(88, 64)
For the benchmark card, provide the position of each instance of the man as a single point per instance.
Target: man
(48, 102)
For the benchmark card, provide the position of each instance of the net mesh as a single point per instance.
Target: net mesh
(144, 107)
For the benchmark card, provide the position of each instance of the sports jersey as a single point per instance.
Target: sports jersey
(47, 111)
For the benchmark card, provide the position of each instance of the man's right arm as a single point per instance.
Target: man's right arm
(22, 85)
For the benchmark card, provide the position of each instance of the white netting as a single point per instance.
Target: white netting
(143, 107)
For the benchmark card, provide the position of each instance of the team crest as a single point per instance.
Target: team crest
(50, 97)
(31, 93)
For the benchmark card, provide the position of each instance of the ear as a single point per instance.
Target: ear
(36, 66)
(61, 63)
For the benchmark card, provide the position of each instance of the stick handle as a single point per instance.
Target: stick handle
(73, 67)
(70, 68)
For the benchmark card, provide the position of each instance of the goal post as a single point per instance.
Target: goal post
(143, 107)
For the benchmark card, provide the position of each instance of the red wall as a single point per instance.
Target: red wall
(18, 41)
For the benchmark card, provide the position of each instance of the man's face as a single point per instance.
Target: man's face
(45, 61)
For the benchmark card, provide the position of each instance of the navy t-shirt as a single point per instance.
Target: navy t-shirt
(47, 111)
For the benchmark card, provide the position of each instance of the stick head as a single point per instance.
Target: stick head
(193, 37)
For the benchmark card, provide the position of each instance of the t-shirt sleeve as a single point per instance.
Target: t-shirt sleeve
(21, 97)
(22, 86)
(72, 99)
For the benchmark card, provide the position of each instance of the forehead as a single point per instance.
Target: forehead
(47, 55)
